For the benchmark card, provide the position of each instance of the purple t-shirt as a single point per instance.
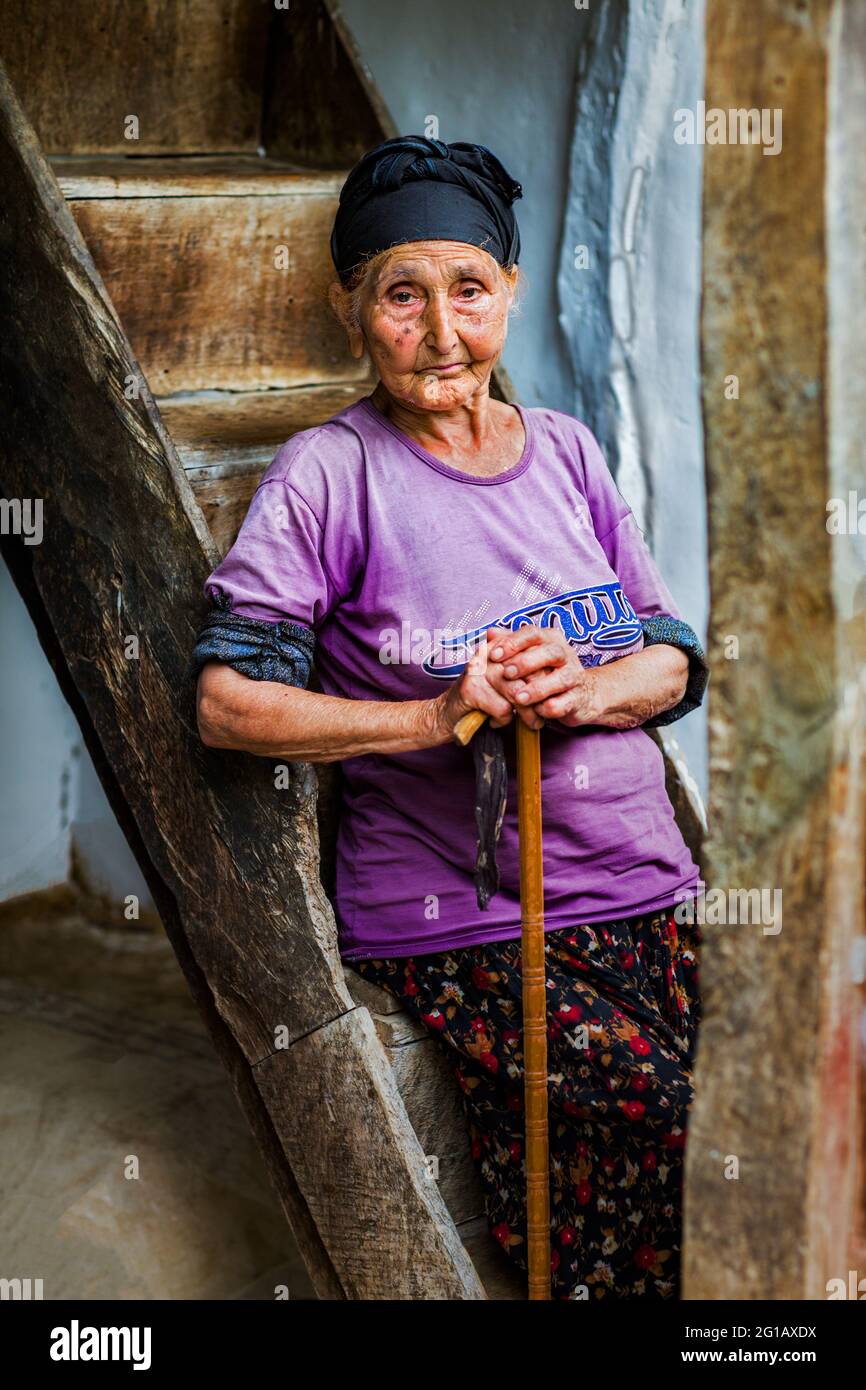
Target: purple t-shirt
(400, 563)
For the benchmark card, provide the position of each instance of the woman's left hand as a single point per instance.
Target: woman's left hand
(538, 667)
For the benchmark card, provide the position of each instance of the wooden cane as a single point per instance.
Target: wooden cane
(534, 996)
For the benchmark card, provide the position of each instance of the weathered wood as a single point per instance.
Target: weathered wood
(777, 1080)
(193, 176)
(213, 429)
(836, 1201)
(190, 70)
(433, 1104)
(305, 1086)
(219, 291)
(231, 860)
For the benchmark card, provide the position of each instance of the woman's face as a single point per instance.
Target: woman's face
(434, 317)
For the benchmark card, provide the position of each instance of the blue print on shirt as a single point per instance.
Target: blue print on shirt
(598, 621)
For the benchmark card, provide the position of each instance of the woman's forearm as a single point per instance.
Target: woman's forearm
(274, 720)
(283, 721)
(629, 691)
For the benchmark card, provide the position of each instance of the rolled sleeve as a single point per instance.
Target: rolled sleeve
(260, 650)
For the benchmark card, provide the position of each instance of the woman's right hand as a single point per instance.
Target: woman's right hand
(478, 687)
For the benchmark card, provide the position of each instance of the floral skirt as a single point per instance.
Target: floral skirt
(623, 1009)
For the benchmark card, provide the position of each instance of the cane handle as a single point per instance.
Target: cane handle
(469, 725)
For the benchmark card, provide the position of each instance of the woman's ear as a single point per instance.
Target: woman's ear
(357, 342)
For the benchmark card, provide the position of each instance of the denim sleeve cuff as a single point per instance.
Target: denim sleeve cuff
(263, 651)
(663, 628)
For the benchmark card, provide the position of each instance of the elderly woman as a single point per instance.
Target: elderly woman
(439, 551)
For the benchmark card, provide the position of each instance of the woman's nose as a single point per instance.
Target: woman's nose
(441, 331)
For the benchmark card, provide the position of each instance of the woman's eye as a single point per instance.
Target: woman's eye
(471, 290)
(402, 296)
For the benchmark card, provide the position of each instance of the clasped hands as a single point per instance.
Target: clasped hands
(534, 672)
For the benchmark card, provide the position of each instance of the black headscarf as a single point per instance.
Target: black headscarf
(414, 189)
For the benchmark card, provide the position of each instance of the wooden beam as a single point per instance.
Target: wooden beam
(771, 1197)
(231, 860)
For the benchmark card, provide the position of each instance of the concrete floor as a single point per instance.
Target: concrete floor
(107, 1070)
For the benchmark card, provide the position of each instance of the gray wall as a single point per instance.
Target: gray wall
(502, 74)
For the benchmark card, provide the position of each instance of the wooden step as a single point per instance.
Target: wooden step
(191, 71)
(226, 439)
(197, 76)
(190, 251)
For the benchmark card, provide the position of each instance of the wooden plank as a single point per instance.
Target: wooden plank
(777, 1077)
(211, 428)
(836, 1201)
(194, 176)
(200, 288)
(190, 70)
(224, 495)
(231, 861)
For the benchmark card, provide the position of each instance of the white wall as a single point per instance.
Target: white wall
(632, 315)
(39, 757)
(103, 858)
(51, 799)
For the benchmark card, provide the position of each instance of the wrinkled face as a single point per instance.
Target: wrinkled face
(434, 318)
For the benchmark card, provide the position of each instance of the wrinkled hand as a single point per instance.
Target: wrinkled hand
(539, 672)
(483, 685)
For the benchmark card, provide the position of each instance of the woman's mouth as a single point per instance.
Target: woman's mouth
(445, 369)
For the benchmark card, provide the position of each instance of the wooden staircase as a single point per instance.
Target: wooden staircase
(208, 342)
(218, 270)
